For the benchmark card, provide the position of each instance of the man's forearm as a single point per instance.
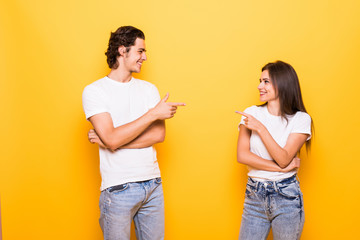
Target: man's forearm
(114, 138)
(155, 133)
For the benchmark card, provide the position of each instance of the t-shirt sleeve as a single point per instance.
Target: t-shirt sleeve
(154, 96)
(249, 110)
(93, 102)
(303, 124)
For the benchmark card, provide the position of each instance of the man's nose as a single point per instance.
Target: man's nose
(144, 57)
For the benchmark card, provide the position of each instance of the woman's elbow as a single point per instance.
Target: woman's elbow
(282, 166)
(284, 162)
(241, 158)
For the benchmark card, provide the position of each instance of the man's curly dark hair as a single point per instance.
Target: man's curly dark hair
(123, 36)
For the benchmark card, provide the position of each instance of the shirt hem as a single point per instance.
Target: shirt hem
(129, 180)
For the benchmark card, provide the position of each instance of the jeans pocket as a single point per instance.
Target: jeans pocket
(118, 188)
(158, 180)
(290, 191)
(250, 190)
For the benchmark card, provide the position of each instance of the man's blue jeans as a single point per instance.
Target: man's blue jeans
(141, 201)
(277, 205)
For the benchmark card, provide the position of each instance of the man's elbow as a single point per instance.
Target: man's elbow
(160, 137)
(111, 144)
(113, 148)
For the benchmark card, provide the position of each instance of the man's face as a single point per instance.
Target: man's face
(135, 57)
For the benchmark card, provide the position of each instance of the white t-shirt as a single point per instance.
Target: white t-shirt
(125, 102)
(279, 129)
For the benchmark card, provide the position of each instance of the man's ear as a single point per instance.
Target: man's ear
(122, 50)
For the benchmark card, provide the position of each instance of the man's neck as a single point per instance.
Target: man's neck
(120, 75)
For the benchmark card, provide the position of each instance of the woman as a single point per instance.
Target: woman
(270, 137)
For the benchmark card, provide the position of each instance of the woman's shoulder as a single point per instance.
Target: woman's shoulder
(300, 114)
(253, 109)
(302, 117)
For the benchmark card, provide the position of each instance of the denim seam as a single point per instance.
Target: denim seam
(146, 194)
(106, 218)
(139, 231)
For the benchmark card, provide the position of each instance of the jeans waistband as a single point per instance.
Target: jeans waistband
(284, 181)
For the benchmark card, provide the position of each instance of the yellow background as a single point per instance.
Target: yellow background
(205, 53)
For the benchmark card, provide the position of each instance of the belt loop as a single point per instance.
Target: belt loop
(275, 186)
(257, 186)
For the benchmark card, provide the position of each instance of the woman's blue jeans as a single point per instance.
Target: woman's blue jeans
(277, 205)
(142, 202)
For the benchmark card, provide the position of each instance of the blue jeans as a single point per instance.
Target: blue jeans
(277, 205)
(141, 201)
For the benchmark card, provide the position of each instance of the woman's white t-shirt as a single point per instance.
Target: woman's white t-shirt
(280, 129)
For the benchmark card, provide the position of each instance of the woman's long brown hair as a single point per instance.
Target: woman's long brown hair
(287, 87)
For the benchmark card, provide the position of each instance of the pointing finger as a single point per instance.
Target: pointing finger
(176, 104)
(242, 113)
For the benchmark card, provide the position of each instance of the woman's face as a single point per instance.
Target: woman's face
(266, 88)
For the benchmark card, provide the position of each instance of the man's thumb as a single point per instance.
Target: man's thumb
(165, 98)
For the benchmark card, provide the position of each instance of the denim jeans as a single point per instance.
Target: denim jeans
(277, 205)
(142, 202)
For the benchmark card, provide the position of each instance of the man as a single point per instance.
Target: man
(128, 119)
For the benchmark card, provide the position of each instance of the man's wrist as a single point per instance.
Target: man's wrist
(151, 115)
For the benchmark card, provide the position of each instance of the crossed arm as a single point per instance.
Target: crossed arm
(246, 157)
(155, 133)
(284, 159)
(142, 132)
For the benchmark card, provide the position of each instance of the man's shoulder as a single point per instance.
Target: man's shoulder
(143, 83)
(96, 84)
(94, 88)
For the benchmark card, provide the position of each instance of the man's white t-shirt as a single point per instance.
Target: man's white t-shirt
(125, 102)
(279, 129)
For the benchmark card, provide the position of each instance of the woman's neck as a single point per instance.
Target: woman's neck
(274, 107)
